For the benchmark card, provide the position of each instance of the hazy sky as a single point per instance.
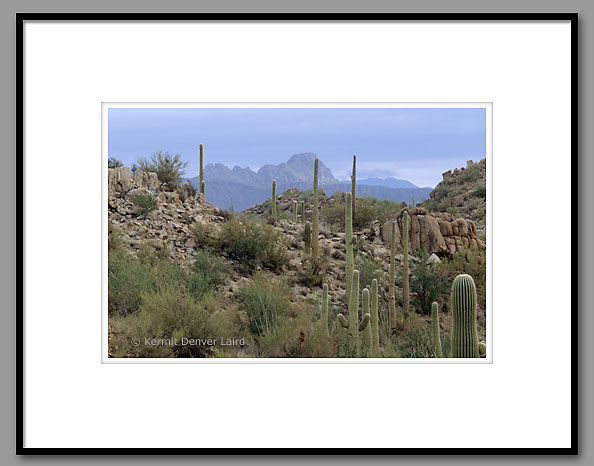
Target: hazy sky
(416, 144)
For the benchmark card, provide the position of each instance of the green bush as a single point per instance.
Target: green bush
(367, 210)
(253, 244)
(208, 273)
(265, 302)
(144, 204)
(166, 316)
(128, 279)
(426, 284)
(114, 238)
(472, 262)
(481, 190)
(169, 168)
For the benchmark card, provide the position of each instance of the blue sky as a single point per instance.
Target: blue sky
(416, 144)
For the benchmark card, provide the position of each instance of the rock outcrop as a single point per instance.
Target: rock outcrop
(438, 234)
(168, 225)
(121, 181)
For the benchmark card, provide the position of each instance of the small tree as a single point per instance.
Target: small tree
(112, 162)
(169, 168)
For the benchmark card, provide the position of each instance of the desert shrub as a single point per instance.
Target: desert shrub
(144, 203)
(114, 238)
(208, 273)
(369, 268)
(205, 235)
(253, 244)
(300, 337)
(187, 191)
(367, 209)
(169, 168)
(481, 190)
(112, 162)
(167, 316)
(265, 302)
(426, 284)
(128, 279)
(470, 173)
(471, 262)
(415, 342)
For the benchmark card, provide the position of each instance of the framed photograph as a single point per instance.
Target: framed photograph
(236, 227)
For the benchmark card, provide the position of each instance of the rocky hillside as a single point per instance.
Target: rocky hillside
(462, 193)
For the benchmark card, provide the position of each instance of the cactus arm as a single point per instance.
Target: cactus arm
(342, 321)
(482, 349)
(435, 330)
(315, 227)
(364, 322)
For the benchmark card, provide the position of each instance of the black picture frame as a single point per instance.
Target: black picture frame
(21, 18)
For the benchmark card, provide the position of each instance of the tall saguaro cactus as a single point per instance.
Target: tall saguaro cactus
(435, 330)
(392, 278)
(315, 227)
(348, 239)
(324, 315)
(274, 200)
(465, 342)
(405, 288)
(302, 211)
(354, 182)
(353, 325)
(201, 169)
(295, 211)
(374, 319)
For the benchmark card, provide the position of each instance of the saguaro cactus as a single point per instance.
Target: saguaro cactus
(315, 227)
(324, 314)
(353, 325)
(405, 290)
(201, 169)
(465, 343)
(274, 200)
(350, 258)
(295, 211)
(307, 237)
(367, 334)
(302, 211)
(354, 182)
(392, 278)
(435, 330)
(374, 320)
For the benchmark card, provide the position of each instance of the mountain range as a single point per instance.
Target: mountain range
(243, 187)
